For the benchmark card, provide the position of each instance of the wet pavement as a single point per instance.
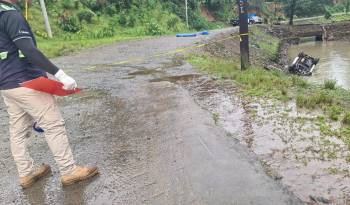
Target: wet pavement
(144, 125)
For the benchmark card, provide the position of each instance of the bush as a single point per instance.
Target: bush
(330, 84)
(111, 10)
(154, 29)
(172, 21)
(127, 20)
(69, 23)
(327, 15)
(85, 15)
(199, 23)
(68, 4)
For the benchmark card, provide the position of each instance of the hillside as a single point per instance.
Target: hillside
(86, 23)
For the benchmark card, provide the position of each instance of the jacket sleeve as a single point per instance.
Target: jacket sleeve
(34, 56)
(19, 32)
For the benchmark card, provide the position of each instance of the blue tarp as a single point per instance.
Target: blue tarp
(192, 34)
(186, 35)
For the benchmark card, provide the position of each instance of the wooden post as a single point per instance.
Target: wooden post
(46, 18)
(244, 33)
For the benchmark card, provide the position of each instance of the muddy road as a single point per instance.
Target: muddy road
(141, 125)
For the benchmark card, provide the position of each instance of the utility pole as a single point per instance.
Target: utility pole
(46, 18)
(243, 32)
(186, 5)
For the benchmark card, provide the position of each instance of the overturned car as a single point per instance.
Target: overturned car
(303, 65)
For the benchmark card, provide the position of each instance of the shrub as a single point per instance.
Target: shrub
(330, 84)
(172, 21)
(327, 15)
(199, 23)
(122, 20)
(68, 4)
(154, 29)
(69, 23)
(126, 20)
(111, 10)
(85, 15)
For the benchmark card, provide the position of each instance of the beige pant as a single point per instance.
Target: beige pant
(26, 106)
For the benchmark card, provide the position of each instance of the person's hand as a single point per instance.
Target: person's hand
(67, 81)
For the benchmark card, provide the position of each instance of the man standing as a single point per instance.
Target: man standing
(21, 61)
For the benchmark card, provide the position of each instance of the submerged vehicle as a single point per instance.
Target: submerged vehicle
(303, 65)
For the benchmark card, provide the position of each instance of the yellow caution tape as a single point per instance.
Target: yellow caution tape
(181, 50)
(243, 34)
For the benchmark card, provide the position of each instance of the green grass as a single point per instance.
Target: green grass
(313, 100)
(346, 119)
(330, 84)
(261, 83)
(255, 81)
(269, 45)
(335, 112)
(58, 47)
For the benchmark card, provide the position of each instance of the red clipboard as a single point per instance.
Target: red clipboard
(49, 86)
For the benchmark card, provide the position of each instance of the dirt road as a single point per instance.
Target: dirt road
(152, 142)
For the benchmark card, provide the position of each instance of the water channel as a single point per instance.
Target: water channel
(334, 60)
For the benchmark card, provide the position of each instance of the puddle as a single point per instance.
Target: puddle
(145, 72)
(176, 61)
(174, 79)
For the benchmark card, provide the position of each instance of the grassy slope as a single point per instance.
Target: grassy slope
(64, 42)
(60, 44)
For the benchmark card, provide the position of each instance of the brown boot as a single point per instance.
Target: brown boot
(79, 174)
(39, 173)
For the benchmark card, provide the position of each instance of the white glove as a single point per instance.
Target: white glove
(67, 81)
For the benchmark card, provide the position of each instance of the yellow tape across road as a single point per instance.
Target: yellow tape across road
(181, 50)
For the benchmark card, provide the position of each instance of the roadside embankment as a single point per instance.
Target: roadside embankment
(299, 131)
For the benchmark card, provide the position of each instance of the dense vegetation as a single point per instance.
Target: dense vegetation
(77, 24)
(307, 8)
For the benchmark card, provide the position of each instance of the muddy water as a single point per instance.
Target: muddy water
(334, 60)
